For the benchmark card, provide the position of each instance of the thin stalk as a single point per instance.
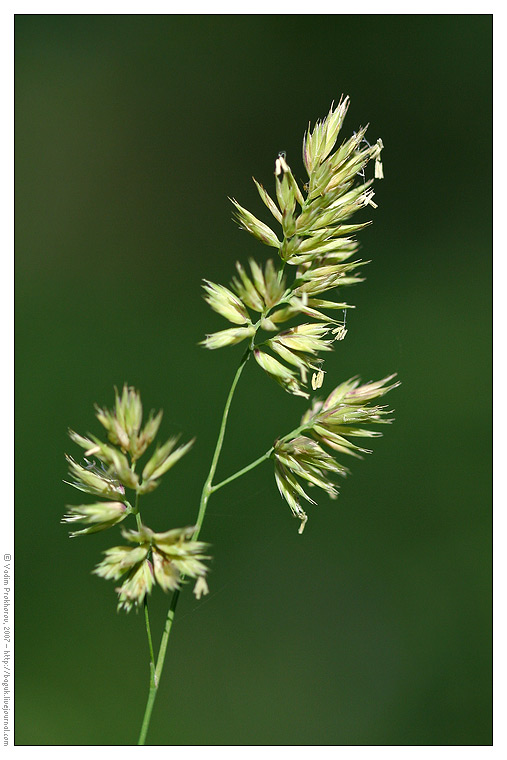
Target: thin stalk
(147, 713)
(158, 670)
(241, 472)
(146, 613)
(207, 488)
(165, 637)
(150, 643)
(260, 460)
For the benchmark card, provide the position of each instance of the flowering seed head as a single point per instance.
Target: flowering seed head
(266, 198)
(123, 423)
(317, 240)
(344, 412)
(263, 289)
(254, 226)
(307, 338)
(280, 373)
(158, 558)
(136, 587)
(297, 346)
(301, 457)
(148, 433)
(295, 358)
(166, 573)
(333, 193)
(91, 480)
(226, 303)
(97, 516)
(288, 194)
(110, 472)
(227, 337)
(120, 560)
(330, 423)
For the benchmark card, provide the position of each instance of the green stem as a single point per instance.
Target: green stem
(207, 488)
(165, 637)
(147, 714)
(150, 642)
(206, 493)
(260, 460)
(239, 473)
(158, 670)
(146, 613)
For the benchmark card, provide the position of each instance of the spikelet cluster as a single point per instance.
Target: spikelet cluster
(107, 473)
(315, 246)
(156, 558)
(303, 458)
(109, 468)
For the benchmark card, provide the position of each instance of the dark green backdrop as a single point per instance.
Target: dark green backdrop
(374, 626)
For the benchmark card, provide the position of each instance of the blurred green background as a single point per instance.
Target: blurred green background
(374, 627)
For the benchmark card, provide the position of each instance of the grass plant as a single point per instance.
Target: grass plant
(282, 311)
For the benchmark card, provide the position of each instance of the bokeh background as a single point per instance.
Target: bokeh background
(374, 627)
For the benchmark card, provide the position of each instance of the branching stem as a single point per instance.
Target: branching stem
(260, 460)
(206, 493)
(208, 488)
(243, 471)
